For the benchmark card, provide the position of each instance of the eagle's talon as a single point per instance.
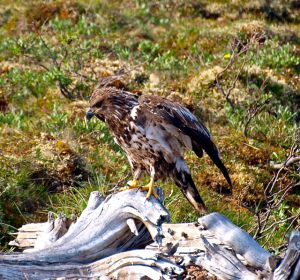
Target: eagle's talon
(150, 193)
(151, 190)
(132, 184)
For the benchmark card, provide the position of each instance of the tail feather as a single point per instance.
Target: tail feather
(184, 181)
(212, 151)
(204, 142)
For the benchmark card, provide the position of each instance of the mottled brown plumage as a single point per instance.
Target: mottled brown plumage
(154, 132)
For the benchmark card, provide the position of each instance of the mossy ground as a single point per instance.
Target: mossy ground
(51, 158)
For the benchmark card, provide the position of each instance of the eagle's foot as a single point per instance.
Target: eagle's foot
(151, 190)
(132, 184)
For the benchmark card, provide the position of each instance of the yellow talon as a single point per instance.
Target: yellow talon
(150, 188)
(132, 184)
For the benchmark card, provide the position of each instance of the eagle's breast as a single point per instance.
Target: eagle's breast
(147, 142)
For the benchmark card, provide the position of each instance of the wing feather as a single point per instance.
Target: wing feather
(181, 123)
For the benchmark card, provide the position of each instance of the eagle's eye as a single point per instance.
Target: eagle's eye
(98, 104)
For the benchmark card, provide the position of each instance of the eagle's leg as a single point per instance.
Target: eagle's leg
(150, 186)
(133, 184)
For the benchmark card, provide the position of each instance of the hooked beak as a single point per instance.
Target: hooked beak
(89, 114)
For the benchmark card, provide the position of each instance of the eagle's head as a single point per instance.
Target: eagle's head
(97, 101)
(107, 101)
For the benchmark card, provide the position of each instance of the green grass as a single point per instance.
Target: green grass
(277, 56)
(52, 158)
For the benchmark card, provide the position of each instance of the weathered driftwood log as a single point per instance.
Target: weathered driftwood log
(239, 240)
(99, 244)
(223, 263)
(290, 265)
(224, 250)
(134, 264)
(102, 230)
(219, 242)
(296, 272)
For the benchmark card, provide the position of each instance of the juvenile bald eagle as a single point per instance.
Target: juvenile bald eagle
(154, 132)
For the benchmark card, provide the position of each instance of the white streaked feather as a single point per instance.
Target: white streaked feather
(161, 141)
(184, 139)
(134, 111)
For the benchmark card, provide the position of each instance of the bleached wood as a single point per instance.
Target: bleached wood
(296, 273)
(222, 263)
(101, 231)
(55, 230)
(290, 259)
(27, 235)
(239, 240)
(104, 229)
(34, 227)
(198, 244)
(122, 264)
(27, 243)
(100, 245)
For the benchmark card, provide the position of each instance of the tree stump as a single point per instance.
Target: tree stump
(126, 236)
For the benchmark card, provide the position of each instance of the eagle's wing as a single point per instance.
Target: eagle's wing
(179, 121)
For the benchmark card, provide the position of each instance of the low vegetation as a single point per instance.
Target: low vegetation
(235, 65)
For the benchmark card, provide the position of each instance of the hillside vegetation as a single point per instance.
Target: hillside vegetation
(235, 65)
